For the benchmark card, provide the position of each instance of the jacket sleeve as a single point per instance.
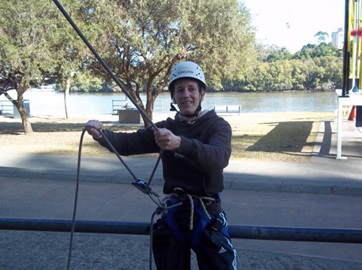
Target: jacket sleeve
(140, 142)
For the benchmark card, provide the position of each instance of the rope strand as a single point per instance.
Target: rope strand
(191, 199)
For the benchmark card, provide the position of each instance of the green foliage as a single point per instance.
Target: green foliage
(85, 82)
(23, 49)
(281, 54)
(314, 67)
(313, 51)
(36, 42)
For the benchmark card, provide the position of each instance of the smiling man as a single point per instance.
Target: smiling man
(196, 147)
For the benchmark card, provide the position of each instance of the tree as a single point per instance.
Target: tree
(313, 68)
(305, 52)
(298, 75)
(36, 47)
(278, 54)
(326, 49)
(321, 36)
(332, 71)
(25, 55)
(141, 46)
(21, 51)
(69, 50)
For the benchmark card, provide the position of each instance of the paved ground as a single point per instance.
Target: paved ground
(38, 186)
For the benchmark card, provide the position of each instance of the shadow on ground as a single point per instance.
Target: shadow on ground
(285, 137)
(14, 128)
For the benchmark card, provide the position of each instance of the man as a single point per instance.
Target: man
(196, 148)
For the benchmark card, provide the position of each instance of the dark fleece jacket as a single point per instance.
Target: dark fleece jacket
(197, 166)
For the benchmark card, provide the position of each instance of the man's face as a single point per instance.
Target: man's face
(187, 95)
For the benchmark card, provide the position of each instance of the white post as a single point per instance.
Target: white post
(339, 127)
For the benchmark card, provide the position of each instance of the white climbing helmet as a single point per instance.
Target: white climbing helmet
(186, 69)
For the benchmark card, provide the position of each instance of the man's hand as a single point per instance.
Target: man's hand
(93, 127)
(166, 140)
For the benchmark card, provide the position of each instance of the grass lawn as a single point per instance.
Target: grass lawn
(266, 136)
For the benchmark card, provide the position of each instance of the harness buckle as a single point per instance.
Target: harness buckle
(217, 224)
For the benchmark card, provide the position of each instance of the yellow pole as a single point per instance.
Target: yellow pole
(355, 43)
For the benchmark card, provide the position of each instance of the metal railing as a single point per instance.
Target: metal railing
(227, 109)
(334, 235)
(118, 104)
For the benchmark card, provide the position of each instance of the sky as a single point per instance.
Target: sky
(293, 23)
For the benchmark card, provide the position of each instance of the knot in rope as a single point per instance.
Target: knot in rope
(178, 192)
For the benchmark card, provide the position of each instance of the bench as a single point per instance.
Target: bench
(227, 109)
(129, 116)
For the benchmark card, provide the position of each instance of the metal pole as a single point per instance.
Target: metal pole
(346, 50)
(297, 234)
(236, 231)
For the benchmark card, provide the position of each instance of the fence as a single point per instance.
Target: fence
(227, 109)
(118, 104)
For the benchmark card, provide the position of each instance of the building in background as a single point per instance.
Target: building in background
(338, 38)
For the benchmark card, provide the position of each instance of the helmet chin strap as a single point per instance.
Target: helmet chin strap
(196, 113)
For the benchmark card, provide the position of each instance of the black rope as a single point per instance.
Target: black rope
(139, 183)
(75, 202)
(144, 187)
(155, 168)
(118, 155)
(126, 166)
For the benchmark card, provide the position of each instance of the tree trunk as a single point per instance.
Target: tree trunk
(149, 109)
(66, 95)
(19, 105)
(23, 115)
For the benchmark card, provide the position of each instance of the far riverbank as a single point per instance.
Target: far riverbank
(47, 103)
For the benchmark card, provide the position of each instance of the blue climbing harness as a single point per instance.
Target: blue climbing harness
(206, 218)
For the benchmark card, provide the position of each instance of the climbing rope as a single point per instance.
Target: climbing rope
(191, 198)
(75, 202)
(139, 183)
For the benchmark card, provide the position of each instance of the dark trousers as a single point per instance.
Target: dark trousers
(214, 250)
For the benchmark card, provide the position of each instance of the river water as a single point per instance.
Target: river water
(46, 102)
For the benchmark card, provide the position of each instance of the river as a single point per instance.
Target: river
(46, 102)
